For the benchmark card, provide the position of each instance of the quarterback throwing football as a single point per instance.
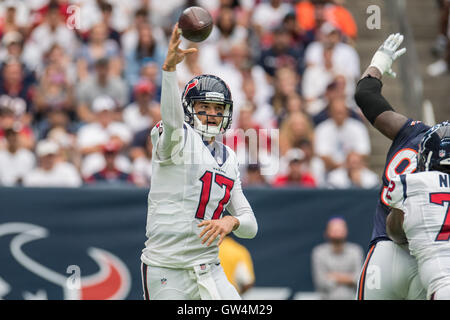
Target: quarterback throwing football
(195, 178)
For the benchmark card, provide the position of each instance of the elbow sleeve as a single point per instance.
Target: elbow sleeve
(369, 99)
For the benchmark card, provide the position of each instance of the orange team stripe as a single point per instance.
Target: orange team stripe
(363, 274)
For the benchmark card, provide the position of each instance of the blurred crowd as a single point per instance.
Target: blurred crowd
(81, 80)
(441, 46)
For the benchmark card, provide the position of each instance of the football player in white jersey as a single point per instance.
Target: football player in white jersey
(194, 179)
(421, 218)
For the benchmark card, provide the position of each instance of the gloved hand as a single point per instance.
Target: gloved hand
(386, 54)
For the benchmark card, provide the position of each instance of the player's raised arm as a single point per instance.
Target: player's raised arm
(368, 91)
(172, 113)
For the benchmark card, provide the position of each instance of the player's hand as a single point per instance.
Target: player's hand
(174, 54)
(387, 53)
(214, 228)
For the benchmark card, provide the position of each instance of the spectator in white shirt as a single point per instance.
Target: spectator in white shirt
(52, 30)
(163, 12)
(92, 137)
(343, 55)
(340, 134)
(336, 264)
(130, 37)
(91, 12)
(142, 166)
(313, 163)
(15, 161)
(15, 15)
(110, 174)
(269, 15)
(354, 174)
(236, 70)
(315, 80)
(227, 31)
(263, 113)
(51, 172)
(100, 83)
(144, 112)
(12, 46)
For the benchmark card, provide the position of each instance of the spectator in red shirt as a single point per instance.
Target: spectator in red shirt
(296, 175)
(110, 174)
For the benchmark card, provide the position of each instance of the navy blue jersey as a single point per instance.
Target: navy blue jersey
(401, 159)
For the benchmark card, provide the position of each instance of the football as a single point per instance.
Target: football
(195, 23)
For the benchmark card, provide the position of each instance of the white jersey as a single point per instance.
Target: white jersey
(425, 198)
(191, 181)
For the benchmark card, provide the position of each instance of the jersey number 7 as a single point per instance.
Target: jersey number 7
(220, 180)
(440, 199)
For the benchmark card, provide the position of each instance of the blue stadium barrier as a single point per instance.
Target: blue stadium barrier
(49, 237)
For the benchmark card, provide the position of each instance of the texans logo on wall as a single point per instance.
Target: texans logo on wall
(58, 243)
(111, 280)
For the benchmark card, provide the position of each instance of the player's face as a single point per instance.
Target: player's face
(209, 113)
(47, 161)
(337, 230)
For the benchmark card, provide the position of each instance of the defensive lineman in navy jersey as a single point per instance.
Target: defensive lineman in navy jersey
(401, 159)
(389, 271)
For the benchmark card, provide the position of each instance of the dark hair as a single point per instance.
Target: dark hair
(53, 5)
(11, 131)
(105, 6)
(280, 30)
(141, 51)
(304, 142)
(253, 167)
(289, 16)
(219, 20)
(102, 62)
(141, 12)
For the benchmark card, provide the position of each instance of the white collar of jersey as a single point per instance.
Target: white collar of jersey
(217, 150)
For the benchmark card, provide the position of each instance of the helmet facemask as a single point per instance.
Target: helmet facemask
(207, 130)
